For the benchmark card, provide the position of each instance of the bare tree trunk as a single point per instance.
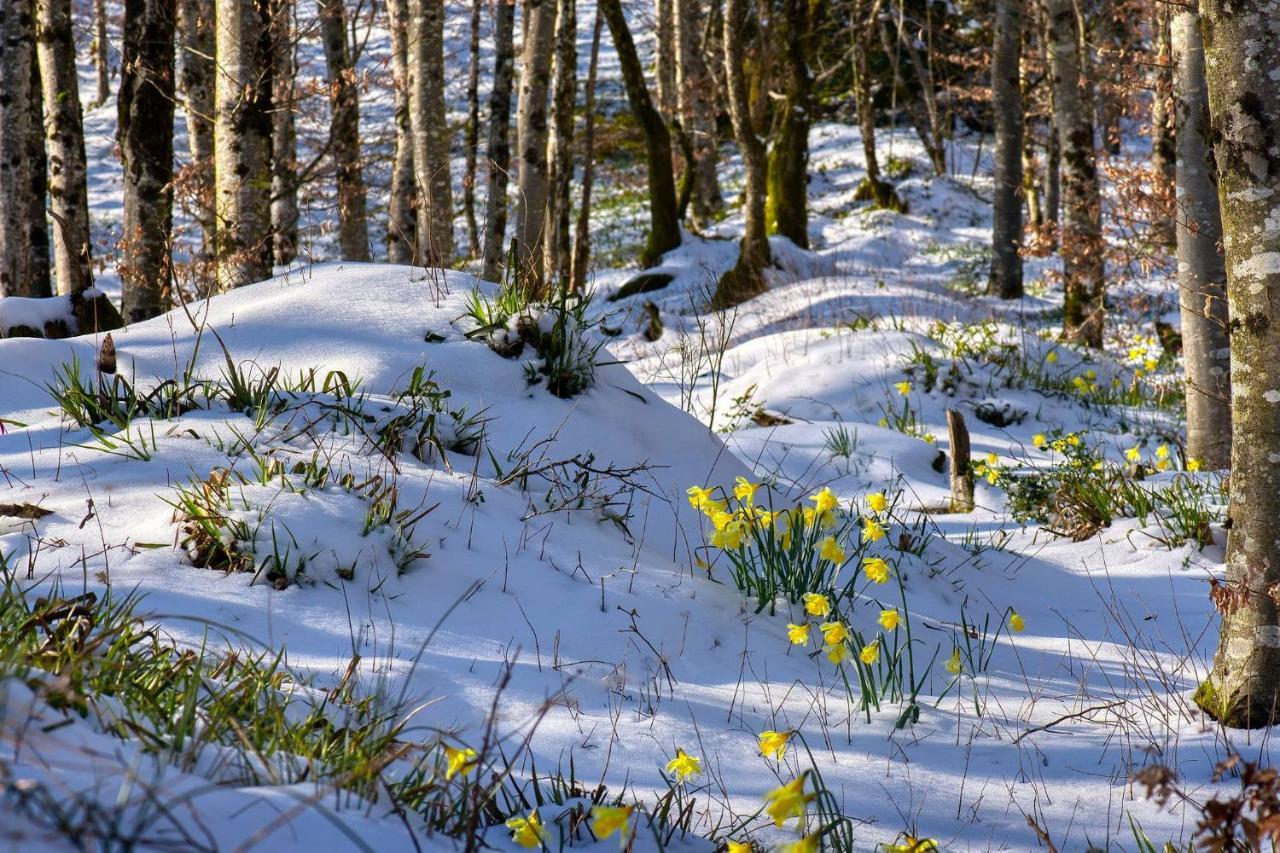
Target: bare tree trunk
(1163, 151)
(1006, 99)
(934, 139)
(1052, 152)
(873, 188)
(64, 140)
(38, 158)
(17, 260)
(582, 234)
(696, 91)
(430, 132)
(746, 278)
(786, 199)
(499, 146)
(284, 135)
(564, 87)
(664, 214)
(242, 141)
(471, 138)
(664, 14)
(1202, 277)
(1242, 60)
(401, 217)
(101, 56)
(1082, 245)
(531, 139)
(146, 148)
(344, 131)
(196, 81)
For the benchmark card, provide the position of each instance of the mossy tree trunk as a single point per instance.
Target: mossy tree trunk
(344, 131)
(786, 200)
(1006, 99)
(499, 140)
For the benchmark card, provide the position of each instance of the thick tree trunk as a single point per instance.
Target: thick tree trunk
(471, 137)
(344, 131)
(564, 88)
(582, 233)
(146, 149)
(786, 199)
(1163, 152)
(284, 135)
(242, 141)
(531, 139)
(430, 132)
(1242, 60)
(1006, 100)
(664, 214)
(695, 91)
(196, 81)
(1082, 244)
(1201, 274)
(499, 144)
(101, 54)
(401, 216)
(17, 260)
(64, 140)
(746, 279)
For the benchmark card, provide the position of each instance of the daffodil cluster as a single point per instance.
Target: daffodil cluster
(1144, 355)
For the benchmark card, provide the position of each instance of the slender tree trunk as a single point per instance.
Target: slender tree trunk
(1052, 151)
(1006, 100)
(531, 139)
(401, 216)
(146, 148)
(873, 187)
(1031, 181)
(664, 14)
(471, 140)
(17, 260)
(1163, 151)
(1242, 60)
(242, 141)
(499, 145)
(430, 132)
(934, 140)
(786, 200)
(582, 235)
(664, 214)
(696, 90)
(101, 56)
(344, 131)
(746, 278)
(64, 140)
(284, 135)
(38, 158)
(1202, 277)
(196, 81)
(1082, 245)
(564, 87)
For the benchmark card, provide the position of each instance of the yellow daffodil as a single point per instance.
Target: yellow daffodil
(877, 569)
(788, 801)
(527, 831)
(774, 744)
(1073, 439)
(953, 665)
(1051, 356)
(1091, 374)
(798, 634)
(1133, 454)
(732, 846)
(808, 844)
(871, 652)
(929, 438)
(1151, 364)
(831, 551)
(684, 765)
(744, 490)
(1163, 465)
(872, 530)
(816, 604)
(729, 537)
(458, 760)
(1016, 622)
(824, 501)
(992, 459)
(911, 844)
(698, 496)
(889, 619)
(1162, 452)
(838, 654)
(877, 502)
(606, 820)
(904, 387)
(1193, 465)
(833, 632)
(1038, 439)
(883, 422)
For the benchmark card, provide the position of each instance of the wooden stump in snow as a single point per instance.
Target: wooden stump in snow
(961, 473)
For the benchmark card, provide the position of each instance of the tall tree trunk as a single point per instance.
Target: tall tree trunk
(101, 54)
(401, 210)
(1163, 151)
(695, 93)
(664, 14)
(564, 87)
(471, 138)
(1052, 150)
(38, 158)
(1082, 245)
(499, 144)
(582, 233)
(242, 141)
(746, 278)
(1242, 60)
(146, 147)
(64, 140)
(430, 132)
(1202, 277)
(873, 187)
(531, 139)
(1006, 100)
(344, 131)
(786, 199)
(17, 260)
(934, 138)
(664, 215)
(196, 81)
(284, 135)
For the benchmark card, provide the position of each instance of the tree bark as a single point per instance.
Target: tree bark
(196, 81)
(401, 216)
(564, 87)
(64, 141)
(1242, 61)
(430, 132)
(786, 199)
(695, 91)
(1202, 278)
(101, 55)
(746, 279)
(471, 137)
(664, 215)
(38, 225)
(1082, 244)
(499, 145)
(284, 135)
(531, 140)
(664, 13)
(1006, 100)
(145, 125)
(873, 187)
(582, 234)
(344, 131)
(242, 141)
(1163, 151)
(17, 259)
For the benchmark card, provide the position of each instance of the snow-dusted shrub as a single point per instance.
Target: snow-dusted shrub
(423, 424)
